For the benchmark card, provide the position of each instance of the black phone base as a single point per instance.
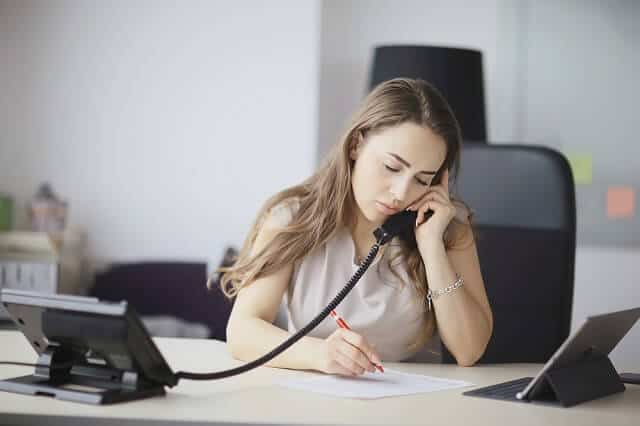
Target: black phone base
(59, 377)
(584, 380)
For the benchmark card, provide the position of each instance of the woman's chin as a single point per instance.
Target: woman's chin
(376, 217)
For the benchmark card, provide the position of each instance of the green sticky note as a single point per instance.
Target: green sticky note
(582, 167)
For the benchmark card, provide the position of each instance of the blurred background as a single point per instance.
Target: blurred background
(161, 127)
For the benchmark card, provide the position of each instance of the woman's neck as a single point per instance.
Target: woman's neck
(362, 235)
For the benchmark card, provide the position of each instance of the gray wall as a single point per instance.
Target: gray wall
(580, 87)
(560, 74)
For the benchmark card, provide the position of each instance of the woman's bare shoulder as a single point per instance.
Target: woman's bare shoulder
(281, 214)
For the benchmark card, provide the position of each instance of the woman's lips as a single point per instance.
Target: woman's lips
(386, 209)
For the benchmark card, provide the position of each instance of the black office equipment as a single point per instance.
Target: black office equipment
(89, 351)
(579, 371)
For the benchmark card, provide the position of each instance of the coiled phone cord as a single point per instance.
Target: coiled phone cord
(297, 336)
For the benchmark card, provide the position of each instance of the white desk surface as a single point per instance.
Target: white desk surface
(254, 398)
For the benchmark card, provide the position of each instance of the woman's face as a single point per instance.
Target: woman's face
(393, 168)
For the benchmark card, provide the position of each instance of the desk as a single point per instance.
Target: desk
(254, 398)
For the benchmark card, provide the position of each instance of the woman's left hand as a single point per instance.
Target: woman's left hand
(437, 199)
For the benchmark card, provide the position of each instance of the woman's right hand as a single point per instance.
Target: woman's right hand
(347, 353)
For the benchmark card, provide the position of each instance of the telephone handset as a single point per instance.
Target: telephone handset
(401, 224)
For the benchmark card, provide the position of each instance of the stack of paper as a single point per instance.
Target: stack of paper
(374, 385)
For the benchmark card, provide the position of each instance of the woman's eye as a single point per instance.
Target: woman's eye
(391, 169)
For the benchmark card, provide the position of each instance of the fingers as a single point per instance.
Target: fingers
(418, 202)
(429, 205)
(348, 353)
(348, 363)
(429, 197)
(437, 193)
(344, 366)
(360, 343)
(438, 197)
(351, 352)
(358, 361)
(440, 190)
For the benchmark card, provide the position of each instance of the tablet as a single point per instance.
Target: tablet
(598, 333)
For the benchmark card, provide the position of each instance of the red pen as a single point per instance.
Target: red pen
(343, 324)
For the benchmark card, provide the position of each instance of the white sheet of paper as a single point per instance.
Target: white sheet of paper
(374, 385)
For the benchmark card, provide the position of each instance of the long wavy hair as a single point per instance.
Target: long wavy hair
(326, 200)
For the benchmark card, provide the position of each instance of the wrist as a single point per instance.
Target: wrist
(316, 353)
(430, 244)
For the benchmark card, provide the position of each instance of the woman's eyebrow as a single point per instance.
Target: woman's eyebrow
(406, 163)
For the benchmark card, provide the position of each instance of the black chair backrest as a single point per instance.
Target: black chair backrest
(523, 199)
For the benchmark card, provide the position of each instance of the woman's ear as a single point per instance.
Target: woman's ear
(353, 154)
(356, 144)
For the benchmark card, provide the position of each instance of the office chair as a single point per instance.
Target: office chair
(523, 199)
(176, 289)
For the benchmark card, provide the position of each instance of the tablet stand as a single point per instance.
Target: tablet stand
(589, 378)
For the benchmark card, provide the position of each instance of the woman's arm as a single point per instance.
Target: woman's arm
(464, 317)
(250, 332)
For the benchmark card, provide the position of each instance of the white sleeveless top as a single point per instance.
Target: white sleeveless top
(380, 307)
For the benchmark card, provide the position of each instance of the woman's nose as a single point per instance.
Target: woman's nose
(399, 190)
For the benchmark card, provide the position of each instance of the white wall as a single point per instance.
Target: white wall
(520, 43)
(164, 124)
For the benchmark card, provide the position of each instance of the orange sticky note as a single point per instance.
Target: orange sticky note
(621, 202)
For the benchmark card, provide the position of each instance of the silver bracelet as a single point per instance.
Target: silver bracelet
(435, 294)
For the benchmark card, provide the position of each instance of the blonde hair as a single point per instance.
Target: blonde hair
(326, 201)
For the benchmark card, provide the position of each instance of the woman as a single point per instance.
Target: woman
(308, 240)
